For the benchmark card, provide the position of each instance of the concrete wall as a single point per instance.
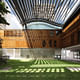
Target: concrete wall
(32, 53)
(12, 53)
(38, 53)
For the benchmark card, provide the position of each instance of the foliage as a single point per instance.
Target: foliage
(3, 10)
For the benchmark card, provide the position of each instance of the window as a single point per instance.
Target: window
(16, 33)
(50, 43)
(72, 39)
(43, 43)
(76, 55)
(51, 33)
(57, 32)
(55, 43)
(78, 36)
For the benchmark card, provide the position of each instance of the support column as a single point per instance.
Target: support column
(65, 54)
(13, 53)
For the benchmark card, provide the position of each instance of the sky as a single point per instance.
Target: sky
(12, 20)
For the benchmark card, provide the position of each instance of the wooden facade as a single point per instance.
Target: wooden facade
(29, 39)
(70, 36)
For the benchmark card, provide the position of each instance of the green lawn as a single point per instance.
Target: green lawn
(39, 70)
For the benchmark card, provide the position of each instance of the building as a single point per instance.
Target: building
(60, 39)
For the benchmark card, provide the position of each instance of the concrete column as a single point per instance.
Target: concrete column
(13, 53)
(19, 54)
(65, 54)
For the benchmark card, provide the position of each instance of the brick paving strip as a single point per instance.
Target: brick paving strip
(73, 69)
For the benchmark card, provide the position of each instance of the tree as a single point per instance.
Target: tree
(3, 10)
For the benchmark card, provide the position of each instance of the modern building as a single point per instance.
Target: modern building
(51, 29)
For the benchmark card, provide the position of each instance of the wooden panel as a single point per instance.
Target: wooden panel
(32, 39)
(70, 35)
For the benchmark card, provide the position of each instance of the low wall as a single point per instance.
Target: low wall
(32, 53)
(38, 53)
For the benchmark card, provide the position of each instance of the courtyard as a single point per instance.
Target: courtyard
(39, 39)
(40, 70)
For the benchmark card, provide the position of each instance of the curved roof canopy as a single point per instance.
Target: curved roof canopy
(41, 25)
(55, 12)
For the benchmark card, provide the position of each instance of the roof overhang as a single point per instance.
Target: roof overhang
(55, 12)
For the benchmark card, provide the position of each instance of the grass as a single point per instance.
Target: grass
(39, 70)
